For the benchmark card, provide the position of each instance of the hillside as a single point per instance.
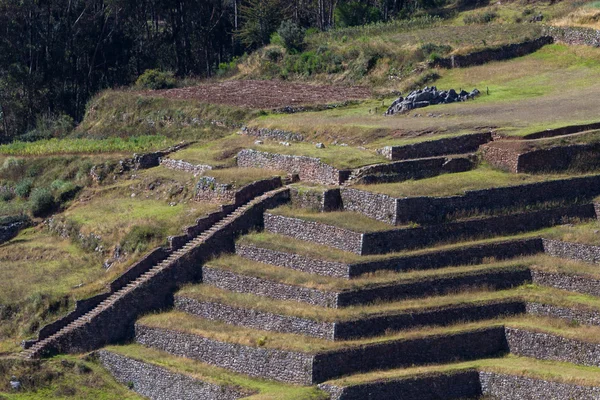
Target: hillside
(272, 234)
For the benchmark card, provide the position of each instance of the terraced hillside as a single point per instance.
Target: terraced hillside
(319, 250)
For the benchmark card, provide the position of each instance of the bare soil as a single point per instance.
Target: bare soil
(259, 94)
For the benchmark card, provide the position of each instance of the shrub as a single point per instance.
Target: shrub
(355, 13)
(432, 48)
(23, 188)
(273, 54)
(138, 238)
(47, 127)
(480, 18)
(6, 193)
(155, 79)
(41, 202)
(292, 35)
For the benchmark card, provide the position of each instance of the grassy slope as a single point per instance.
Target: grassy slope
(62, 377)
(538, 91)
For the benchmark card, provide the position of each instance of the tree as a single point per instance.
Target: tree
(261, 18)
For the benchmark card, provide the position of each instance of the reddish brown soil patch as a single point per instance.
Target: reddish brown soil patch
(265, 94)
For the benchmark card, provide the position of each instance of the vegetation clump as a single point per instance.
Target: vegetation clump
(154, 79)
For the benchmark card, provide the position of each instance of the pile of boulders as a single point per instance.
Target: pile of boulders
(427, 97)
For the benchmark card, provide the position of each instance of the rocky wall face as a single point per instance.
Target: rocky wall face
(181, 165)
(450, 386)
(227, 280)
(412, 238)
(511, 387)
(279, 365)
(495, 54)
(255, 319)
(574, 35)
(437, 209)
(544, 346)
(571, 283)
(318, 199)
(439, 147)
(307, 168)
(445, 258)
(315, 232)
(584, 316)
(582, 157)
(497, 280)
(156, 383)
(403, 353)
(572, 251)
(504, 159)
(347, 330)
(373, 205)
(293, 261)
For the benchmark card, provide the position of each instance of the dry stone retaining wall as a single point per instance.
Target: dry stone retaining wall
(399, 171)
(565, 130)
(439, 147)
(504, 52)
(308, 169)
(156, 383)
(559, 158)
(544, 346)
(458, 385)
(293, 261)
(255, 319)
(231, 281)
(511, 387)
(318, 199)
(574, 35)
(572, 251)
(280, 365)
(181, 165)
(468, 345)
(412, 238)
(571, 283)
(582, 316)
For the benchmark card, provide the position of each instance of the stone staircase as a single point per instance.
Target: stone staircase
(42, 347)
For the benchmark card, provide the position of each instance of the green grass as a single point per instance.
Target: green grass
(62, 377)
(585, 233)
(239, 177)
(262, 389)
(352, 221)
(483, 177)
(86, 146)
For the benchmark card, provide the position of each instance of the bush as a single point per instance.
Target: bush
(23, 188)
(47, 127)
(355, 13)
(155, 79)
(6, 193)
(292, 35)
(273, 54)
(138, 238)
(431, 48)
(480, 18)
(41, 202)
(64, 191)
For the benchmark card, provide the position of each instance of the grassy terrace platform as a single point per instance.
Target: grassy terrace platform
(511, 365)
(586, 233)
(220, 153)
(484, 177)
(182, 322)
(258, 389)
(525, 293)
(244, 266)
(286, 244)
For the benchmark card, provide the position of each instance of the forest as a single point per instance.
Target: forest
(56, 54)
